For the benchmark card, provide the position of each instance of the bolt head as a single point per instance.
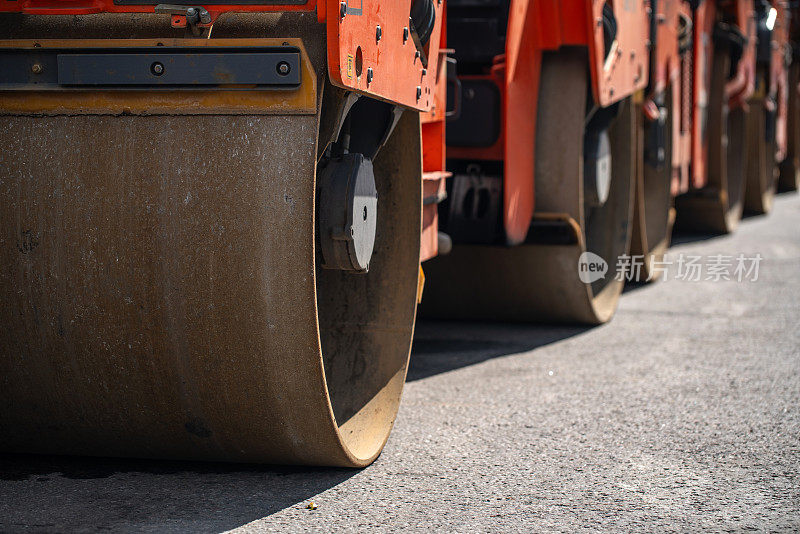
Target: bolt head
(378, 33)
(157, 68)
(37, 68)
(283, 68)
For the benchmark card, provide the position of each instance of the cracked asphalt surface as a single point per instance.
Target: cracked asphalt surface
(680, 415)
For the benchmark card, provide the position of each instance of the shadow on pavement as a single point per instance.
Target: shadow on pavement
(51, 493)
(441, 346)
(683, 237)
(65, 493)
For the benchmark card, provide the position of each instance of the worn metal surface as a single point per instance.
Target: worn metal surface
(718, 206)
(540, 282)
(161, 297)
(790, 167)
(161, 303)
(761, 180)
(654, 214)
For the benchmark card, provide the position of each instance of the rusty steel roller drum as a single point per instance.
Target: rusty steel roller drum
(789, 177)
(162, 295)
(761, 180)
(718, 207)
(654, 215)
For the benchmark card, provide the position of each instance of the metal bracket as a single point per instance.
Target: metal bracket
(187, 16)
(454, 82)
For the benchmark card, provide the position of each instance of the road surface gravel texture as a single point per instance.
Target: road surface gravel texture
(681, 415)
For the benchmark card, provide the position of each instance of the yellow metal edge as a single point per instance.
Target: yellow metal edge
(420, 284)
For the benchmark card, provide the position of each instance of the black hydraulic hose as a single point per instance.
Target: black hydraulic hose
(423, 15)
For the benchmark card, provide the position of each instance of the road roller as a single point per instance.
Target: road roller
(768, 116)
(211, 224)
(219, 220)
(542, 153)
(722, 81)
(742, 116)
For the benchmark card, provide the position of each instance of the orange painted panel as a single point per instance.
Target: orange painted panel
(779, 75)
(743, 85)
(625, 70)
(368, 51)
(521, 96)
(702, 62)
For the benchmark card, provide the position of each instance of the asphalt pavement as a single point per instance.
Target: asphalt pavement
(682, 415)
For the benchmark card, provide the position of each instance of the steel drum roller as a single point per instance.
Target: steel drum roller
(162, 293)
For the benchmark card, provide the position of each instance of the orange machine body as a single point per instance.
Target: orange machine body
(669, 71)
(779, 74)
(739, 88)
(434, 157)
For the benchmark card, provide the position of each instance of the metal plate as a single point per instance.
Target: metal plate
(138, 68)
(389, 67)
(625, 70)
